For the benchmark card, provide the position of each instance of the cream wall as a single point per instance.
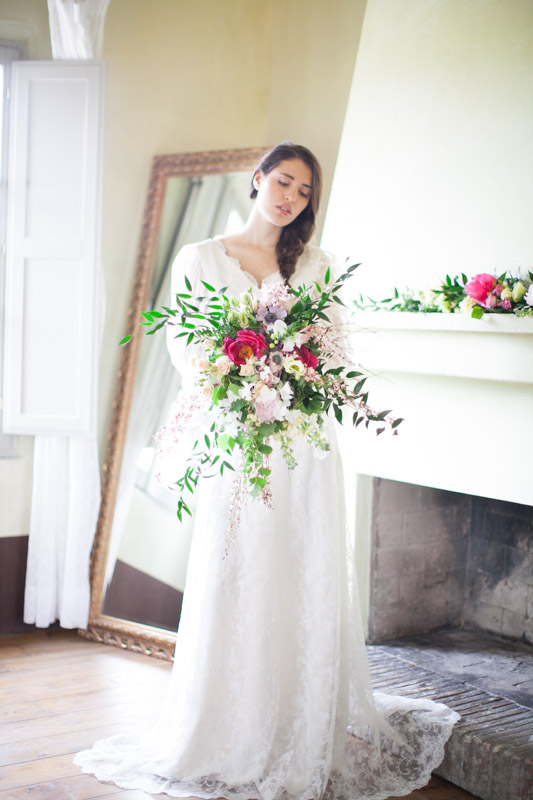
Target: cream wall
(182, 76)
(313, 47)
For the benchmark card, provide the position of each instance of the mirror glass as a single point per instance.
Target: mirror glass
(148, 549)
(140, 551)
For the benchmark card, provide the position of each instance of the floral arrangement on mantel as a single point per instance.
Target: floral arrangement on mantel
(484, 293)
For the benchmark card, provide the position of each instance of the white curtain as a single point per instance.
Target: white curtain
(77, 28)
(66, 477)
(65, 500)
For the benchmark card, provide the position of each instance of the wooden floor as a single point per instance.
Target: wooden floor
(58, 693)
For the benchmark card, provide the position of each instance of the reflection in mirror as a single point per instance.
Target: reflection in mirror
(140, 553)
(148, 550)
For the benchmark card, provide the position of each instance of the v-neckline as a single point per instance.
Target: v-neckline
(237, 263)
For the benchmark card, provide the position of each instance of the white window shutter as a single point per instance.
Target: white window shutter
(53, 248)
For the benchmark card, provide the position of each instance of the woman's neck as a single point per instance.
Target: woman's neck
(259, 232)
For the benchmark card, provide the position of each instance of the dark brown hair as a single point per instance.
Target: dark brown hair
(295, 235)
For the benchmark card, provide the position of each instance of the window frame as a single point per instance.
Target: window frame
(9, 52)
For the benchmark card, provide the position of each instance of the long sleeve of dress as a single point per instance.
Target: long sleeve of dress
(186, 265)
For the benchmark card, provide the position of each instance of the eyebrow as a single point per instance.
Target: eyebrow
(292, 178)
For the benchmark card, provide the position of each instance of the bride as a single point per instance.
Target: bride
(270, 695)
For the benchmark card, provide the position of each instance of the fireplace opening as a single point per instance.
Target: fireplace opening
(443, 559)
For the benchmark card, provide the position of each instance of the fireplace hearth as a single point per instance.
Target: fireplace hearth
(489, 682)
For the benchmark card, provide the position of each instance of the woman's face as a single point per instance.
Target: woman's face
(284, 192)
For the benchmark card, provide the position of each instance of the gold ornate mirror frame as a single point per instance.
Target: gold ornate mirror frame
(103, 628)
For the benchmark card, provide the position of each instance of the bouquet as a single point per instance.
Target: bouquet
(476, 296)
(271, 367)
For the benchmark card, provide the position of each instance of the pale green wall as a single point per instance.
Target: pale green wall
(435, 168)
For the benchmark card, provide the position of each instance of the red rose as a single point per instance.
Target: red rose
(245, 345)
(306, 356)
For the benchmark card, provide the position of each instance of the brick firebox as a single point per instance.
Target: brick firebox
(443, 559)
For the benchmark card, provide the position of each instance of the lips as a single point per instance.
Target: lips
(286, 210)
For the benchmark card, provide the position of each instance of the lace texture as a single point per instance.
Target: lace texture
(270, 694)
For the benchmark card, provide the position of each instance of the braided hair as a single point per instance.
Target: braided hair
(295, 235)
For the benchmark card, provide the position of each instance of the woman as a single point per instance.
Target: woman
(270, 670)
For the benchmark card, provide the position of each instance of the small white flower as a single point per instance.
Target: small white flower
(528, 297)
(296, 340)
(286, 392)
(279, 328)
(294, 366)
(245, 392)
(466, 305)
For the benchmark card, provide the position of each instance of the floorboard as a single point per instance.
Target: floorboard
(59, 693)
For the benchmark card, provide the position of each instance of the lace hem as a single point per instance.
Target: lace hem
(371, 767)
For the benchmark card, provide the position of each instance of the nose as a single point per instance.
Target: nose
(290, 194)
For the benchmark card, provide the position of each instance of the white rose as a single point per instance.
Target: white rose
(528, 297)
(246, 370)
(223, 365)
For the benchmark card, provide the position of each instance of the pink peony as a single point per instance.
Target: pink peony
(265, 404)
(306, 357)
(245, 345)
(480, 286)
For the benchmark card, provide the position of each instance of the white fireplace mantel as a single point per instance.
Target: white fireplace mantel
(495, 348)
(465, 389)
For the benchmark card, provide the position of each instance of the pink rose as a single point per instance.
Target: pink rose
(306, 357)
(265, 404)
(245, 345)
(497, 289)
(491, 301)
(480, 286)
(506, 304)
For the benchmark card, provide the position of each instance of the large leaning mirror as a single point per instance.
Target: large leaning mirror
(140, 553)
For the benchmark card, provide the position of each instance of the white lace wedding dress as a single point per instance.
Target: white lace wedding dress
(270, 669)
